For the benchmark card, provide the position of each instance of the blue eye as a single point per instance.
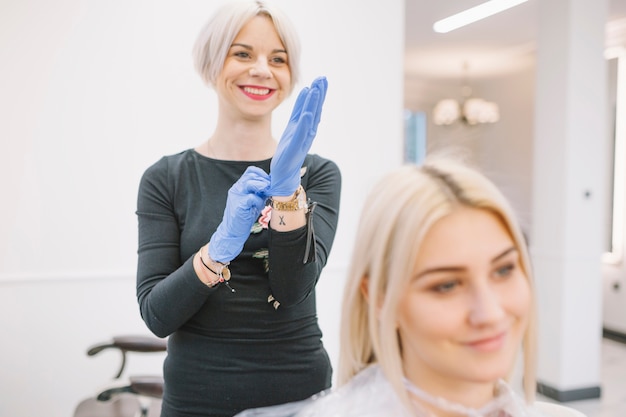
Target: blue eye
(445, 287)
(505, 270)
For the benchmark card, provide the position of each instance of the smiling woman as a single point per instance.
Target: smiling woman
(231, 285)
(441, 301)
(438, 303)
(479, 292)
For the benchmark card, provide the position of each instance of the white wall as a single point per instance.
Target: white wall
(503, 151)
(92, 93)
(614, 269)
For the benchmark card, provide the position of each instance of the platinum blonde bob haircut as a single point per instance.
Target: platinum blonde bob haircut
(217, 35)
(400, 210)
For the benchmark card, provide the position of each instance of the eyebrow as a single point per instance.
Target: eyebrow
(460, 268)
(248, 47)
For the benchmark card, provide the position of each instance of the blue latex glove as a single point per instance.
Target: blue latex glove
(297, 139)
(246, 199)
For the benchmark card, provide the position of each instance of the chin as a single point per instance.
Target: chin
(484, 374)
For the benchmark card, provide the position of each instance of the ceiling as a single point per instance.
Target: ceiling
(495, 45)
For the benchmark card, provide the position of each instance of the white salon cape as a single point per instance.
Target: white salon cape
(369, 394)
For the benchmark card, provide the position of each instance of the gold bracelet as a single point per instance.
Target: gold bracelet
(298, 202)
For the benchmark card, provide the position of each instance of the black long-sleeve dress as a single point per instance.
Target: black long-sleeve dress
(228, 351)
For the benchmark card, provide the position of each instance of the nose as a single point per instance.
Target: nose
(485, 306)
(260, 69)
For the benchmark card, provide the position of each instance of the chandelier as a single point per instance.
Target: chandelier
(470, 110)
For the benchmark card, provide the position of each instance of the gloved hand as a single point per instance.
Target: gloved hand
(246, 199)
(297, 139)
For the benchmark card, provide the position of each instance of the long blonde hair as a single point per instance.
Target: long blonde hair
(398, 213)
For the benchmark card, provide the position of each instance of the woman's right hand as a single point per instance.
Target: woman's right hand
(246, 200)
(297, 139)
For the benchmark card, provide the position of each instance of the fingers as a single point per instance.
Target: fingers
(248, 209)
(258, 186)
(310, 99)
(253, 180)
(315, 100)
(305, 126)
(311, 104)
(297, 107)
(253, 173)
(255, 203)
(320, 84)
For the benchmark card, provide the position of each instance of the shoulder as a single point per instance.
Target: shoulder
(170, 162)
(170, 167)
(163, 175)
(368, 394)
(321, 172)
(315, 162)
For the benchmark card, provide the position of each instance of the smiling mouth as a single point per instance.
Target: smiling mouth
(488, 344)
(254, 91)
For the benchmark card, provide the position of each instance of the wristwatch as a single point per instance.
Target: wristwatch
(298, 202)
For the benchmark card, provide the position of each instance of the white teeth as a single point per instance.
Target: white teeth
(257, 91)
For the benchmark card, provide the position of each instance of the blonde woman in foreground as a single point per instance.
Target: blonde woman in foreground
(438, 304)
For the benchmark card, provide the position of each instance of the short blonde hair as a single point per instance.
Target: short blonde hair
(218, 34)
(400, 210)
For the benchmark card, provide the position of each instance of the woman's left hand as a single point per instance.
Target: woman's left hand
(297, 139)
(246, 199)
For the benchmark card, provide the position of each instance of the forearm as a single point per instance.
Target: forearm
(163, 278)
(157, 293)
(292, 277)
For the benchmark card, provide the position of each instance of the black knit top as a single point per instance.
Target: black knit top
(228, 351)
